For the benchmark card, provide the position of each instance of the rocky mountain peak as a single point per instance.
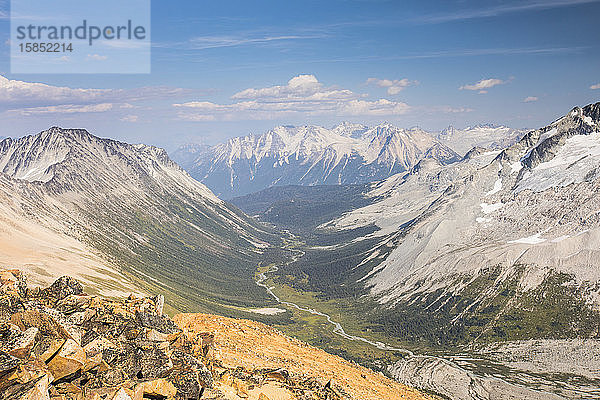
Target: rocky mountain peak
(544, 143)
(311, 155)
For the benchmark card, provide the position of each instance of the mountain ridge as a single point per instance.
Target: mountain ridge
(141, 213)
(311, 155)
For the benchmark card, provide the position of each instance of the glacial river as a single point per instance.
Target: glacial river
(457, 377)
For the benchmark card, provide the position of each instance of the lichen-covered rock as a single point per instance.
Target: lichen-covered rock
(159, 388)
(8, 363)
(35, 389)
(161, 323)
(13, 282)
(22, 344)
(63, 287)
(61, 344)
(70, 359)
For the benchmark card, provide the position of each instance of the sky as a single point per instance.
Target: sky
(230, 68)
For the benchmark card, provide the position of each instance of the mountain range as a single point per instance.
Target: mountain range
(123, 218)
(489, 136)
(485, 254)
(446, 271)
(309, 155)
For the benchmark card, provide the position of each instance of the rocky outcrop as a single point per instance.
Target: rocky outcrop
(60, 343)
(251, 359)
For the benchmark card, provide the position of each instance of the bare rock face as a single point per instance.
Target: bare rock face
(60, 343)
(70, 358)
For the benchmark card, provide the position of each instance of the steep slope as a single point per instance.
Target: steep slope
(141, 213)
(311, 155)
(254, 346)
(488, 136)
(523, 220)
(33, 236)
(59, 342)
(501, 247)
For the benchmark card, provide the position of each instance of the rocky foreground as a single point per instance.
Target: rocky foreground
(59, 343)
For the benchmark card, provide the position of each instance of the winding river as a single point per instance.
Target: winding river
(441, 375)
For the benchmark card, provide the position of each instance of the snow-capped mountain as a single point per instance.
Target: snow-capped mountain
(525, 216)
(138, 211)
(311, 155)
(488, 136)
(497, 254)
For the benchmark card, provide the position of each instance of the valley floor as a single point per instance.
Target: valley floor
(542, 370)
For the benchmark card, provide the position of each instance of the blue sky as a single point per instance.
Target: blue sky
(228, 68)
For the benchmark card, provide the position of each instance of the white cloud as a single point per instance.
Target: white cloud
(483, 85)
(95, 57)
(496, 11)
(211, 42)
(393, 86)
(301, 87)
(15, 91)
(64, 109)
(596, 86)
(129, 118)
(31, 94)
(303, 95)
(530, 99)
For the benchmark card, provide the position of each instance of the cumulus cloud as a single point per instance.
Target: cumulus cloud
(301, 87)
(65, 109)
(596, 86)
(483, 85)
(530, 99)
(302, 95)
(393, 86)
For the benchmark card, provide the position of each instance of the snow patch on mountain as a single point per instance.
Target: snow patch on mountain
(311, 155)
(533, 204)
(487, 136)
(574, 162)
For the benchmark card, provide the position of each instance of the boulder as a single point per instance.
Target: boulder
(121, 395)
(159, 388)
(33, 390)
(21, 345)
(13, 282)
(63, 287)
(161, 323)
(47, 325)
(69, 359)
(189, 375)
(48, 347)
(8, 363)
(159, 302)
